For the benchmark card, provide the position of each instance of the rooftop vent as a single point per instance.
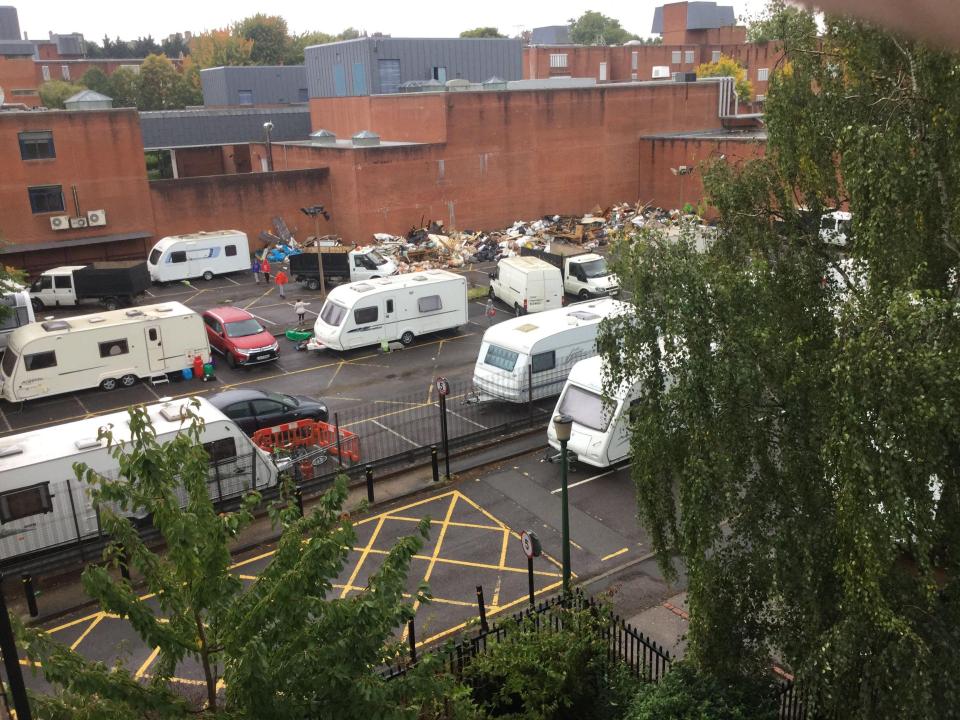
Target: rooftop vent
(584, 315)
(95, 319)
(323, 137)
(458, 85)
(10, 450)
(526, 327)
(87, 443)
(495, 83)
(88, 100)
(419, 278)
(134, 313)
(173, 413)
(361, 288)
(55, 325)
(365, 138)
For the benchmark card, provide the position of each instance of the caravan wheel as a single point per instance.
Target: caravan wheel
(407, 338)
(108, 384)
(128, 380)
(208, 276)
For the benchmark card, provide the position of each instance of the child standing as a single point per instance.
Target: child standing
(265, 269)
(281, 281)
(255, 266)
(300, 308)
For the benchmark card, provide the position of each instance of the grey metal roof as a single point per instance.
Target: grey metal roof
(88, 96)
(751, 134)
(17, 47)
(221, 126)
(551, 35)
(700, 16)
(78, 242)
(261, 84)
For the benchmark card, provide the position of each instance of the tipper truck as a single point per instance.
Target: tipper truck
(340, 263)
(114, 284)
(585, 274)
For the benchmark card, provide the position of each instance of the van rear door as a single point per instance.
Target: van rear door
(535, 293)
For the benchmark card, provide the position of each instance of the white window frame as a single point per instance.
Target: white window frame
(761, 98)
(45, 72)
(763, 74)
(558, 60)
(65, 72)
(634, 60)
(715, 56)
(688, 57)
(675, 57)
(602, 72)
(660, 71)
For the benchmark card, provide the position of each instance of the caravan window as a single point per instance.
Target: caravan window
(501, 358)
(24, 502)
(544, 361)
(333, 314)
(586, 408)
(230, 250)
(155, 256)
(430, 303)
(9, 362)
(113, 347)
(40, 360)
(203, 253)
(18, 315)
(177, 256)
(220, 450)
(363, 316)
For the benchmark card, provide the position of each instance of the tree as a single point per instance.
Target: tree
(594, 28)
(729, 67)
(798, 438)
(218, 48)
(299, 43)
(125, 88)
(175, 46)
(269, 36)
(779, 21)
(280, 645)
(144, 46)
(482, 32)
(53, 93)
(95, 79)
(160, 84)
(350, 33)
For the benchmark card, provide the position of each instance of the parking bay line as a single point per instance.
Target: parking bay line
(271, 322)
(584, 482)
(390, 430)
(466, 419)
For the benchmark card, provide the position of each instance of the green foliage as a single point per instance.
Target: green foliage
(216, 48)
(482, 32)
(54, 93)
(729, 67)
(96, 79)
(124, 88)
(798, 441)
(686, 694)
(269, 36)
(781, 21)
(161, 85)
(552, 674)
(285, 646)
(594, 28)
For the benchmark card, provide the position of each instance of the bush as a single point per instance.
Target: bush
(685, 693)
(553, 674)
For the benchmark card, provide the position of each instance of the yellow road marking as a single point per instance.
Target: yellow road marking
(335, 373)
(147, 663)
(407, 507)
(453, 523)
(470, 563)
(254, 301)
(93, 624)
(363, 556)
(436, 551)
(621, 551)
(261, 556)
(503, 563)
(70, 624)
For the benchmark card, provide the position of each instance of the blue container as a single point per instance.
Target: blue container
(187, 373)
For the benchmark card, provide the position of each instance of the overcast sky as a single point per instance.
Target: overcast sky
(413, 18)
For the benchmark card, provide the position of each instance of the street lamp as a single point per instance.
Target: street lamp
(562, 425)
(267, 127)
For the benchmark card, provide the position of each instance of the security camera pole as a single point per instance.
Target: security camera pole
(267, 127)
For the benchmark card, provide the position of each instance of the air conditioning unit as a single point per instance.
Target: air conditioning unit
(96, 218)
(78, 222)
(60, 222)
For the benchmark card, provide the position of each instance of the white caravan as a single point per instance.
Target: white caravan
(600, 435)
(43, 505)
(19, 311)
(108, 349)
(527, 285)
(401, 308)
(202, 254)
(542, 348)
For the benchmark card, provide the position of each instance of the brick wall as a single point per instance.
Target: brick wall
(18, 74)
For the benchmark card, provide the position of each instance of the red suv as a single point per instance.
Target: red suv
(236, 334)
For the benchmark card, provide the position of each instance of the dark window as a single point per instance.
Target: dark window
(238, 411)
(245, 97)
(440, 73)
(46, 282)
(220, 450)
(211, 323)
(302, 95)
(430, 303)
(40, 360)
(178, 256)
(154, 256)
(17, 314)
(46, 198)
(389, 306)
(230, 250)
(62, 282)
(113, 347)
(9, 362)
(362, 316)
(152, 334)
(24, 502)
(37, 145)
(502, 358)
(266, 407)
(544, 361)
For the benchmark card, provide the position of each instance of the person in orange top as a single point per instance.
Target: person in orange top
(265, 269)
(282, 281)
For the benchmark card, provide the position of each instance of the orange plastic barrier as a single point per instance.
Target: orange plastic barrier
(306, 433)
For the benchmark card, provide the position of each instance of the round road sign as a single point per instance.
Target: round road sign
(531, 543)
(443, 387)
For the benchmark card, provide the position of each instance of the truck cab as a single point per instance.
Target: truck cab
(367, 263)
(54, 287)
(588, 276)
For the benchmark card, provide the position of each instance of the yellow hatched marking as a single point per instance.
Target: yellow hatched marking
(621, 551)
(91, 626)
(453, 523)
(363, 555)
(147, 663)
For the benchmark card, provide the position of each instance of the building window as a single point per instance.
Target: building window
(763, 74)
(634, 61)
(65, 71)
(135, 69)
(761, 98)
(439, 72)
(23, 91)
(45, 72)
(603, 72)
(245, 97)
(40, 360)
(110, 348)
(303, 95)
(430, 303)
(25, 502)
(675, 57)
(688, 57)
(558, 60)
(660, 71)
(36, 145)
(715, 56)
(46, 198)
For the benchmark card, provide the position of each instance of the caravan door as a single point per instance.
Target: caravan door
(154, 348)
(367, 324)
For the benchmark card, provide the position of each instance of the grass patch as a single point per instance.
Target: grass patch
(477, 293)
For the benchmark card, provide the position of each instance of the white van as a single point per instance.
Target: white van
(19, 311)
(600, 435)
(835, 227)
(202, 254)
(542, 349)
(387, 309)
(39, 491)
(107, 349)
(527, 285)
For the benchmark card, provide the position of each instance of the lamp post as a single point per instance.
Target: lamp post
(562, 425)
(267, 127)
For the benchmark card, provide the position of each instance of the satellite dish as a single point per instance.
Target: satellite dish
(2, 96)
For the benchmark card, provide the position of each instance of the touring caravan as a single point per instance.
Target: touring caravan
(401, 307)
(19, 311)
(527, 285)
(42, 504)
(108, 349)
(541, 348)
(196, 255)
(600, 435)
